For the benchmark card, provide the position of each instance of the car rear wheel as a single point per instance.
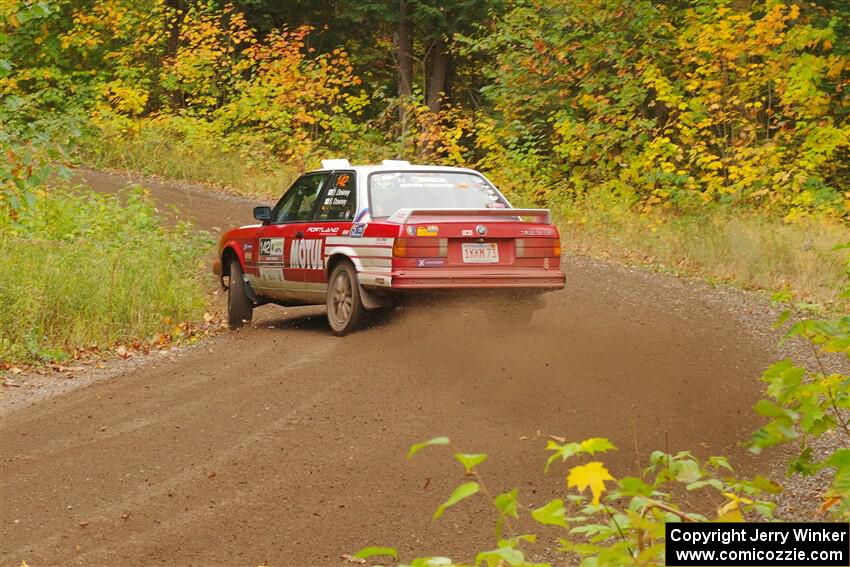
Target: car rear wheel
(240, 308)
(345, 308)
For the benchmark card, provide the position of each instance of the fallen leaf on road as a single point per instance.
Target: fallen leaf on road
(829, 503)
(352, 559)
(558, 438)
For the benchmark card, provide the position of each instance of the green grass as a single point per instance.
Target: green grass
(82, 270)
(181, 149)
(738, 247)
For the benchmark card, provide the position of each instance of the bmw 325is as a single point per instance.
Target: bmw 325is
(357, 237)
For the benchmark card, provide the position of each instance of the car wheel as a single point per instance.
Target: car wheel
(240, 308)
(345, 308)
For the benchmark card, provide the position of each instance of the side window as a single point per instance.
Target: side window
(340, 200)
(297, 203)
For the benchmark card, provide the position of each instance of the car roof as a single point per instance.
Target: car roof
(388, 165)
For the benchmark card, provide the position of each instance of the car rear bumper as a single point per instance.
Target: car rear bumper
(485, 278)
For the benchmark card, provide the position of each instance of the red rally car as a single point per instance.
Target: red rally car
(355, 237)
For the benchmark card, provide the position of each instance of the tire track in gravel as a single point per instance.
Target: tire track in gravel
(283, 444)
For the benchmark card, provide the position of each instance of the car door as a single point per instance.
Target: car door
(333, 218)
(283, 256)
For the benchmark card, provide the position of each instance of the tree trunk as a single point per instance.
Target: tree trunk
(436, 84)
(405, 51)
(177, 11)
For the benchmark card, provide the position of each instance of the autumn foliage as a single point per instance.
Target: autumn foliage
(669, 105)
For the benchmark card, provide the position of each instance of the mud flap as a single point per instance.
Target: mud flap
(372, 300)
(249, 291)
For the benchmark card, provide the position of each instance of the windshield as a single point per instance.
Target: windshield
(393, 190)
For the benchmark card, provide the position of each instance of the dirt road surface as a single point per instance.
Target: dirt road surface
(280, 443)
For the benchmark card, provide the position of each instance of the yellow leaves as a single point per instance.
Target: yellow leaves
(593, 475)
(127, 99)
(731, 510)
(794, 12)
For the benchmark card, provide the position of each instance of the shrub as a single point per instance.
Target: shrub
(604, 520)
(80, 270)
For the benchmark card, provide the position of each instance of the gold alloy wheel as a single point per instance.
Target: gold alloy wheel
(342, 298)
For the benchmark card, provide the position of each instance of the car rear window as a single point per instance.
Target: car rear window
(390, 191)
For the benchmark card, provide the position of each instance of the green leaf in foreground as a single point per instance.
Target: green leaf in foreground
(419, 446)
(506, 503)
(588, 446)
(500, 556)
(551, 514)
(431, 562)
(470, 461)
(463, 491)
(368, 552)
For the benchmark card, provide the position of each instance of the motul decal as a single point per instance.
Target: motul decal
(306, 254)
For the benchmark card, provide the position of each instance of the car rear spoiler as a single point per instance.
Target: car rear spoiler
(403, 216)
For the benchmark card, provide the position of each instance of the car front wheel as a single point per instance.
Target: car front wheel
(240, 308)
(345, 308)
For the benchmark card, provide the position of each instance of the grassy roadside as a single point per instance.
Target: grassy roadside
(189, 157)
(722, 245)
(85, 272)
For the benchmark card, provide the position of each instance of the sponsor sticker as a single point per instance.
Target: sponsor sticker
(429, 262)
(466, 232)
(271, 247)
(322, 229)
(248, 249)
(271, 274)
(430, 230)
(357, 229)
(537, 232)
(306, 254)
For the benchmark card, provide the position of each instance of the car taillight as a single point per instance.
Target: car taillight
(421, 247)
(537, 247)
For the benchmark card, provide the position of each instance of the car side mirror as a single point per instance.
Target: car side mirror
(262, 213)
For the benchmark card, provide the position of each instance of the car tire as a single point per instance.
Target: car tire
(240, 308)
(345, 308)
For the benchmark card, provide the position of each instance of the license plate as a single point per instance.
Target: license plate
(480, 253)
